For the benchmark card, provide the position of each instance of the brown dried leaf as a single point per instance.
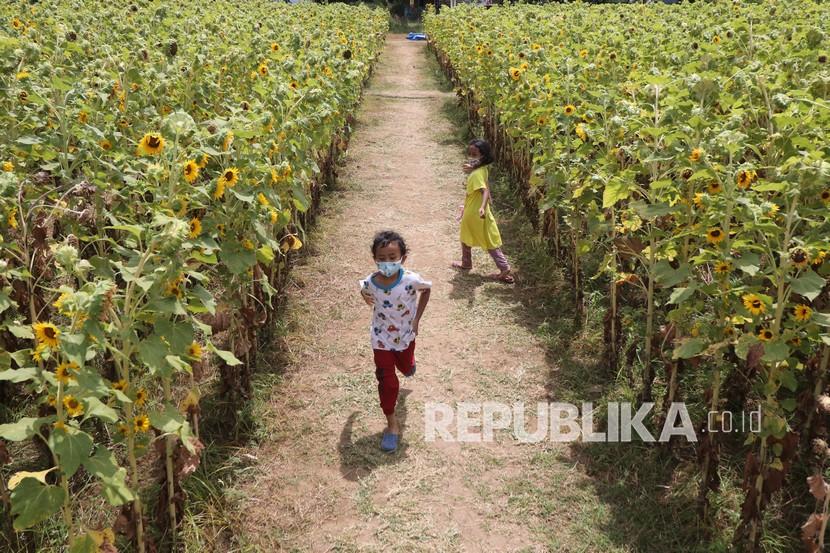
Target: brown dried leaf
(5, 457)
(809, 531)
(186, 462)
(818, 487)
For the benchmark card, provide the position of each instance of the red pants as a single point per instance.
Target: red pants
(388, 385)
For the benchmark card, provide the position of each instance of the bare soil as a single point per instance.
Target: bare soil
(321, 483)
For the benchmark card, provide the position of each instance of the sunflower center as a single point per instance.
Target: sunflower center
(49, 332)
(153, 142)
(229, 175)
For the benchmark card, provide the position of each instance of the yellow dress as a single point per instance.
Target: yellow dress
(475, 231)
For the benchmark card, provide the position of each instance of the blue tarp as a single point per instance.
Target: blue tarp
(416, 36)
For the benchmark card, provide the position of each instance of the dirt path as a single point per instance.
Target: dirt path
(321, 483)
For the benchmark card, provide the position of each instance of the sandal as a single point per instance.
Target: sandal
(457, 265)
(389, 442)
(507, 278)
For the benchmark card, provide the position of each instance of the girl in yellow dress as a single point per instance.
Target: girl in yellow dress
(478, 226)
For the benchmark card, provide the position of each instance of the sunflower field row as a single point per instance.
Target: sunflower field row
(680, 154)
(159, 161)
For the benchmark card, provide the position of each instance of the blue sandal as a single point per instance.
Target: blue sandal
(389, 442)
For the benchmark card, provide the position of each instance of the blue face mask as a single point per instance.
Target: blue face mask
(389, 268)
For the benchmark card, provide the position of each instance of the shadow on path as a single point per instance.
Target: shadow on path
(359, 458)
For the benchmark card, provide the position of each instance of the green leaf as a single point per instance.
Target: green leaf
(21, 331)
(821, 319)
(72, 447)
(6, 302)
(226, 356)
(809, 285)
(178, 334)
(651, 211)
(679, 295)
(668, 276)
(615, 191)
(236, 258)
(18, 375)
(84, 544)
(104, 466)
(788, 380)
(205, 297)
(169, 421)
(152, 352)
(301, 201)
(95, 408)
(689, 348)
(23, 429)
(33, 502)
(750, 263)
(775, 351)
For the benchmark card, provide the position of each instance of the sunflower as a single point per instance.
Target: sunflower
(46, 334)
(226, 143)
(274, 216)
(203, 161)
(754, 304)
(58, 303)
(141, 423)
(74, 408)
(716, 39)
(195, 350)
(175, 287)
(746, 178)
(8, 166)
(220, 228)
(541, 121)
(729, 331)
(799, 258)
(230, 177)
(151, 144)
(294, 85)
(17, 24)
(11, 219)
(105, 144)
(263, 200)
(825, 194)
(569, 109)
(37, 354)
(802, 313)
(195, 227)
(59, 425)
(723, 267)
(191, 171)
(121, 385)
(795, 341)
(524, 66)
(580, 132)
(275, 47)
(141, 397)
(715, 235)
(773, 210)
(698, 200)
(714, 187)
(535, 47)
(220, 189)
(583, 53)
(818, 259)
(247, 244)
(262, 69)
(695, 155)
(63, 372)
(83, 117)
(765, 335)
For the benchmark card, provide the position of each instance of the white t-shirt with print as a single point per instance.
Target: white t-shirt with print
(395, 308)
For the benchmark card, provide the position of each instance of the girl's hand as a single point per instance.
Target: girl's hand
(481, 212)
(368, 298)
(415, 325)
(460, 214)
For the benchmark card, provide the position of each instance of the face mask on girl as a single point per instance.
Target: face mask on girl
(389, 268)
